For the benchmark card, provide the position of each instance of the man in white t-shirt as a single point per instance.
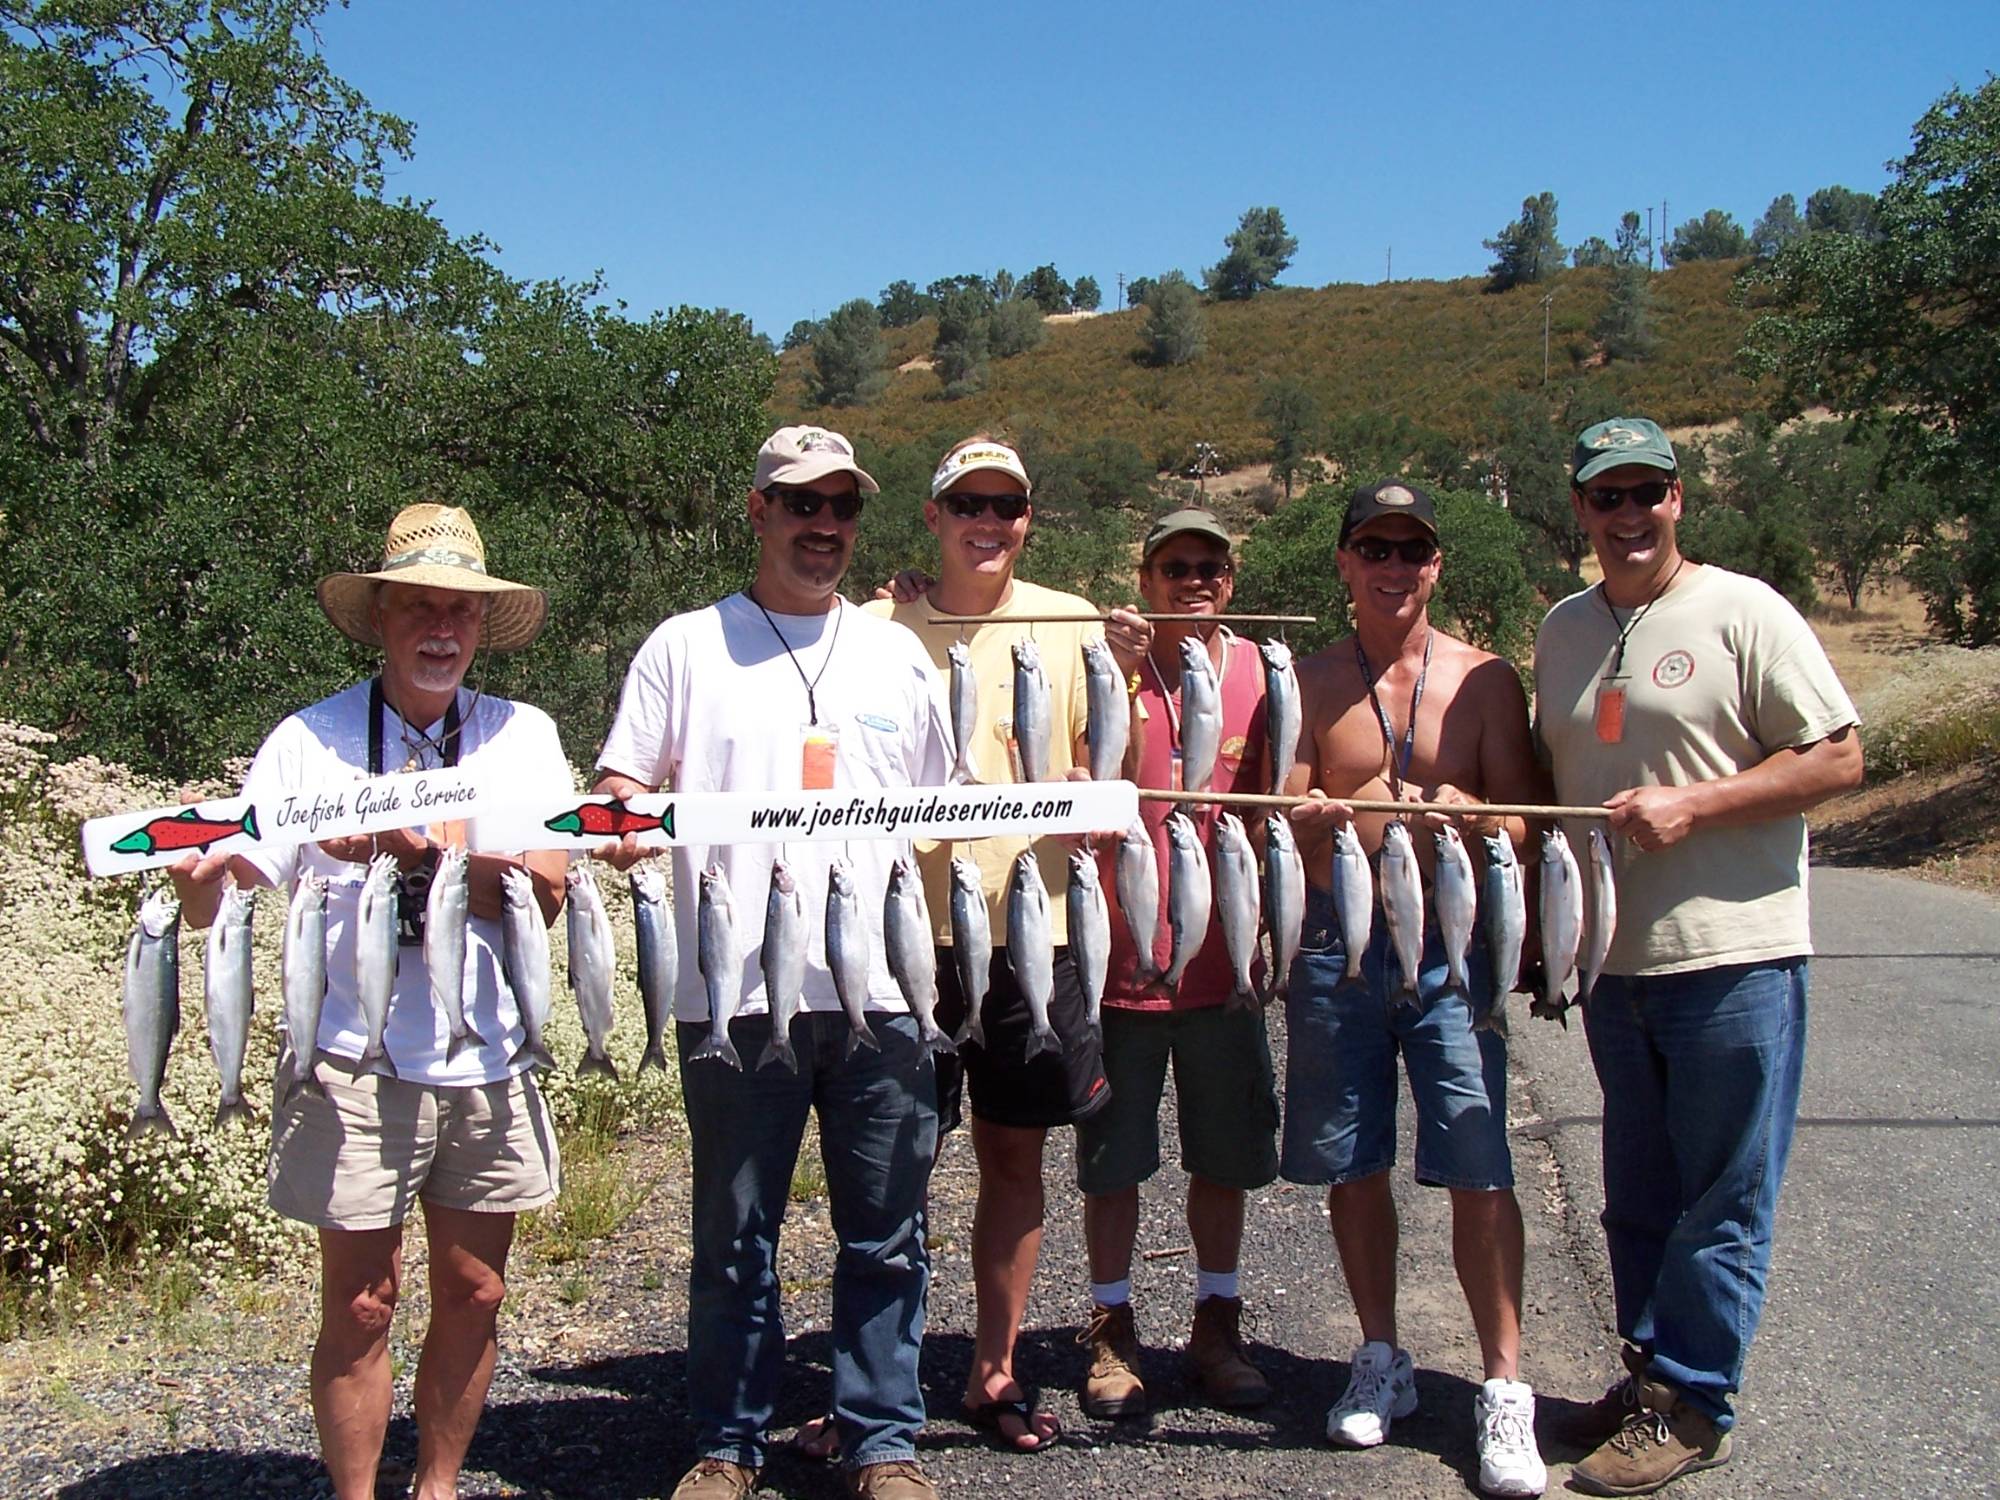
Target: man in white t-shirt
(781, 687)
(460, 1128)
(1699, 707)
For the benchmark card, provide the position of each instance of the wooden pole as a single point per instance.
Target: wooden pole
(1378, 805)
(1144, 615)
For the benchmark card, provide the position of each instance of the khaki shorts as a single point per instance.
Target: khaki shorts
(360, 1157)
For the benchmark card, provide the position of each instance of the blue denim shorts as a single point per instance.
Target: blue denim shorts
(1340, 1071)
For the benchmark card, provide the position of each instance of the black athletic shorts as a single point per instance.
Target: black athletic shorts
(1008, 1087)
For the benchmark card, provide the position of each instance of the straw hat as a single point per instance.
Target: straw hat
(435, 546)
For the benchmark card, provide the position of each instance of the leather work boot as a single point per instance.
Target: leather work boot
(1113, 1388)
(896, 1479)
(1215, 1355)
(716, 1479)
(1664, 1439)
(1592, 1426)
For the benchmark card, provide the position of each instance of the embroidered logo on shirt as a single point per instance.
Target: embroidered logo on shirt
(876, 721)
(1673, 669)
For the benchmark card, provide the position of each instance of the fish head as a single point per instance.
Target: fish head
(159, 911)
(1027, 656)
(1277, 656)
(1194, 655)
(782, 878)
(517, 887)
(577, 876)
(1082, 868)
(1554, 843)
(1396, 838)
(901, 872)
(648, 884)
(1449, 844)
(1600, 846)
(1500, 849)
(958, 655)
(840, 876)
(382, 871)
(1180, 830)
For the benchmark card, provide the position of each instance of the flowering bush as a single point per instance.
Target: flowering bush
(77, 1197)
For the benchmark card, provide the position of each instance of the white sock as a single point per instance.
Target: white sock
(1214, 1284)
(1111, 1293)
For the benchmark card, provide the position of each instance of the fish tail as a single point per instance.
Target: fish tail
(250, 822)
(862, 1036)
(722, 1049)
(1043, 1039)
(535, 1053)
(233, 1111)
(464, 1039)
(154, 1121)
(381, 1063)
(779, 1049)
(597, 1061)
(656, 1056)
(937, 1044)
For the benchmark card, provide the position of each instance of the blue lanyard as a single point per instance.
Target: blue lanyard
(1397, 772)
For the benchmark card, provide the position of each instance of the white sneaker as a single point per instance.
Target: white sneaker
(1381, 1385)
(1509, 1462)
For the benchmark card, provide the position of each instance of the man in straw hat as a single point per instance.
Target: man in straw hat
(460, 1128)
(788, 686)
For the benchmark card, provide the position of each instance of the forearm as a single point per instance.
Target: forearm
(1781, 785)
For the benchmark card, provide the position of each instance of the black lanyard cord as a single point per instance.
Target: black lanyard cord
(446, 745)
(1397, 773)
(1625, 630)
(812, 682)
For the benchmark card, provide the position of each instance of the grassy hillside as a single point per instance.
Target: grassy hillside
(1433, 352)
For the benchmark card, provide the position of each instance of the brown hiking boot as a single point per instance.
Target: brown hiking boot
(716, 1479)
(1594, 1425)
(1664, 1439)
(897, 1479)
(1113, 1388)
(1215, 1355)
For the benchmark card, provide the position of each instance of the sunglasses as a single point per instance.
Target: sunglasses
(1207, 570)
(972, 507)
(1604, 499)
(1415, 550)
(805, 504)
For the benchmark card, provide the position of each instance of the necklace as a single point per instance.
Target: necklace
(1625, 630)
(1397, 771)
(812, 682)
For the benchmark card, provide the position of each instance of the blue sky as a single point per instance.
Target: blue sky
(780, 159)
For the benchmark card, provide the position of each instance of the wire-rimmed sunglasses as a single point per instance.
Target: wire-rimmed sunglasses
(972, 507)
(1174, 569)
(805, 504)
(1606, 498)
(1414, 550)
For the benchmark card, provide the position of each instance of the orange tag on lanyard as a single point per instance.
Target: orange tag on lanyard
(818, 745)
(1610, 713)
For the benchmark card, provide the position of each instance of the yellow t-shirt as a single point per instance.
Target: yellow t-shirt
(1719, 674)
(992, 650)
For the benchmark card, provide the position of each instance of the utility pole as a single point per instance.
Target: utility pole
(1664, 221)
(1545, 336)
(1389, 264)
(1204, 464)
(1121, 287)
(1649, 236)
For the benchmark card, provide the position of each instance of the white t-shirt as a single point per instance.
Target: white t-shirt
(328, 742)
(714, 702)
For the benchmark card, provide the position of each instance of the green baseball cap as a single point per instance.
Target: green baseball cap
(1622, 440)
(1177, 523)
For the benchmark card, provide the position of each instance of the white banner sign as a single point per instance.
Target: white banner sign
(662, 819)
(124, 842)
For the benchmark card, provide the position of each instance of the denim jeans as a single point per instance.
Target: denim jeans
(878, 1135)
(1701, 1075)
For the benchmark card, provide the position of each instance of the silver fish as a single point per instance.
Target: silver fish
(1189, 897)
(1201, 716)
(444, 946)
(524, 958)
(303, 971)
(1562, 922)
(911, 948)
(1109, 727)
(1353, 898)
(659, 960)
(226, 988)
(1139, 898)
(964, 710)
(1284, 714)
(847, 954)
(1503, 904)
(376, 959)
(1089, 934)
(1239, 902)
(593, 964)
(1456, 891)
(719, 955)
(1402, 887)
(1603, 906)
(1284, 900)
(1031, 949)
(971, 946)
(1031, 711)
(152, 1006)
(784, 962)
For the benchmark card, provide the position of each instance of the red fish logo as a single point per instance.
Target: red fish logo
(186, 830)
(609, 820)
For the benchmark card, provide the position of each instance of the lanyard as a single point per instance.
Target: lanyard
(1397, 772)
(812, 682)
(1625, 630)
(446, 745)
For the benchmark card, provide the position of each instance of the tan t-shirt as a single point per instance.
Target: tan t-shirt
(1719, 674)
(992, 650)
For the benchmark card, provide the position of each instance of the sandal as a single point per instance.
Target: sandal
(987, 1417)
(817, 1441)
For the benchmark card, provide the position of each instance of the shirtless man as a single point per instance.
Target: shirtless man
(1402, 711)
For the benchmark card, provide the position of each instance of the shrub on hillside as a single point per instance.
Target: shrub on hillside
(1175, 329)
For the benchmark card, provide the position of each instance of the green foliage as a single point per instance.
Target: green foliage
(1086, 295)
(901, 304)
(1626, 327)
(1714, 236)
(1001, 286)
(1861, 512)
(1780, 225)
(1258, 251)
(1632, 247)
(1139, 289)
(1594, 253)
(1045, 287)
(1907, 323)
(800, 334)
(1840, 210)
(1743, 513)
(964, 339)
(1527, 249)
(1294, 419)
(1015, 327)
(1527, 440)
(1175, 328)
(848, 355)
(1288, 566)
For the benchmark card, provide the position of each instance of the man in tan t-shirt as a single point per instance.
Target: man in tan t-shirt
(1699, 706)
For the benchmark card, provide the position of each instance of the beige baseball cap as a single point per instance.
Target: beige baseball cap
(799, 455)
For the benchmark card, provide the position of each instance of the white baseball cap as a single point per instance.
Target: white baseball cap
(983, 454)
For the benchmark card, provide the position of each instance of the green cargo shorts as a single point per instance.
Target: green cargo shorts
(1226, 1097)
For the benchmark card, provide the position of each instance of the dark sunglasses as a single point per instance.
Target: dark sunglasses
(1604, 499)
(1415, 550)
(805, 504)
(1207, 570)
(972, 507)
